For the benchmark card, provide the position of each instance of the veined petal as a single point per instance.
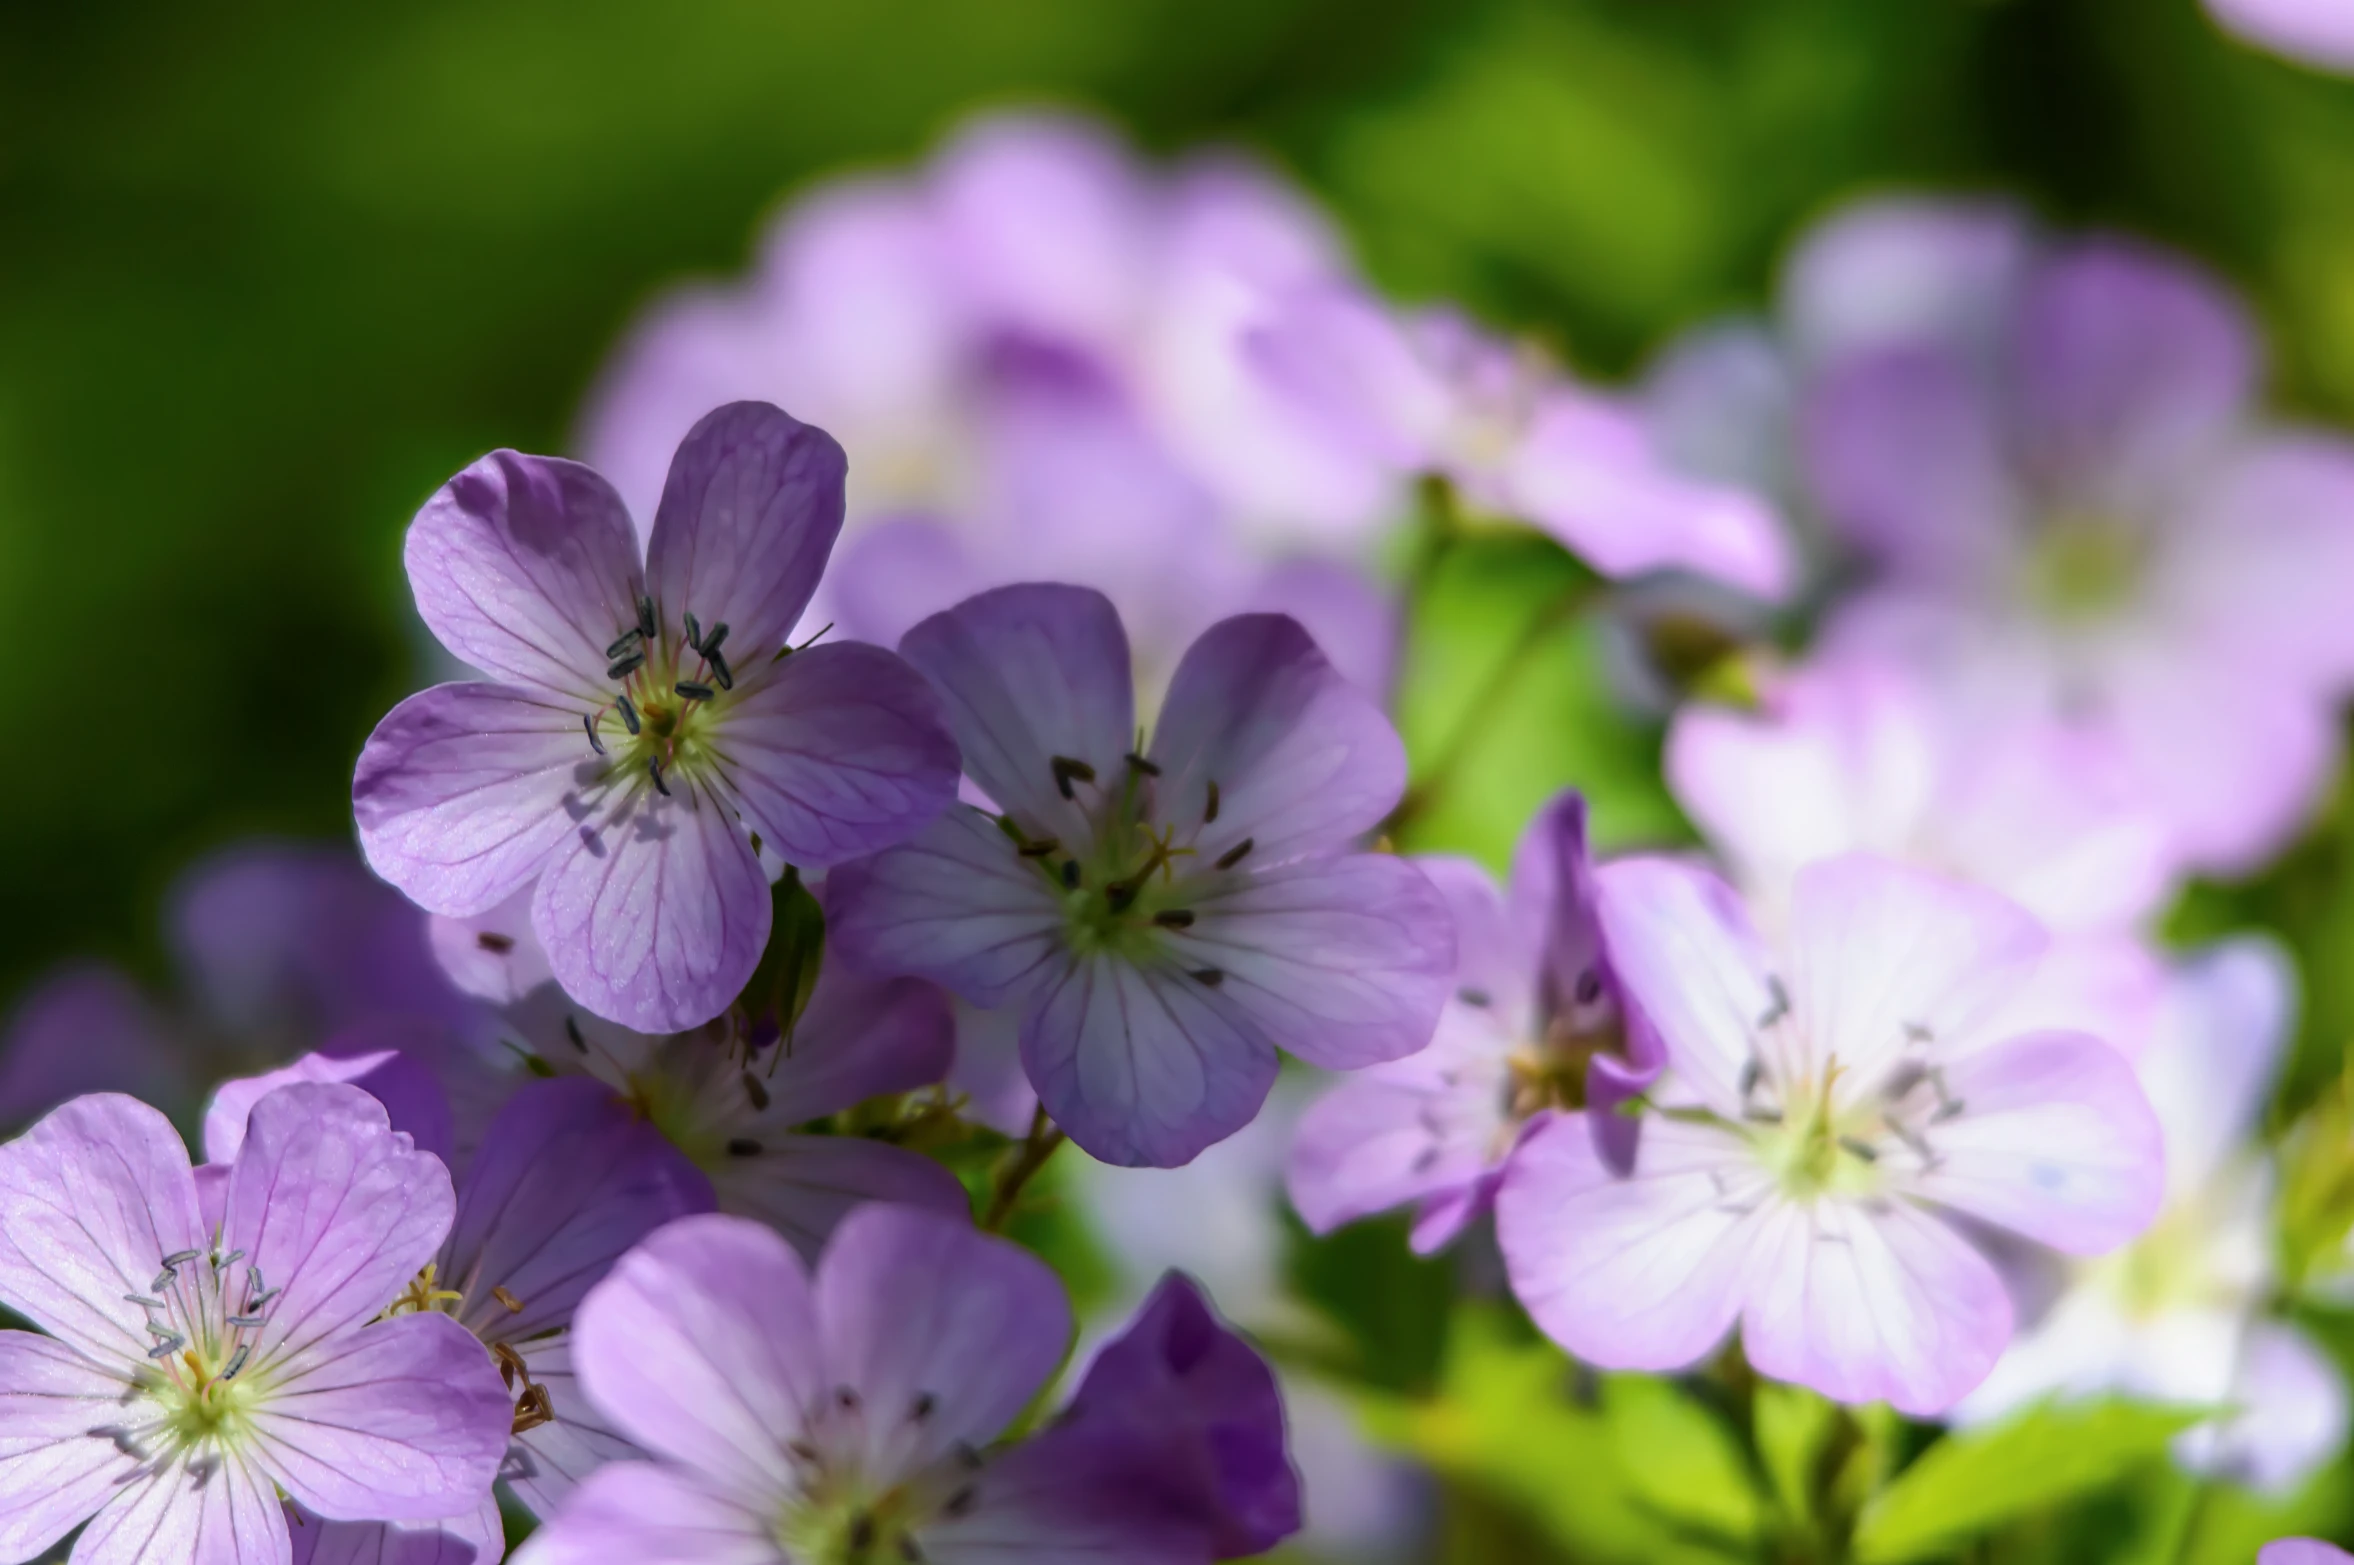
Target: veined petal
(403, 1084)
(956, 905)
(464, 792)
(1495, 947)
(2055, 1141)
(803, 1186)
(1029, 674)
(655, 916)
(92, 1199)
(223, 1513)
(860, 1038)
(841, 750)
(1302, 759)
(702, 1346)
(477, 1537)
(1687, 956)
(1344, 961)
(748, 515)
(493, 955)
(334, 1208)
(544, 1465)
(943, 1332)
(57, 1462)
(653, 1515)
(527, 568)
(404, 1420)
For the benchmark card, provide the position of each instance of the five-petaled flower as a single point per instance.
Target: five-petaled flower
(648, 722)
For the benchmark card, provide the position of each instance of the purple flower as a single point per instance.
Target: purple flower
(848, 1414)
(1828, 1117)
(1435, 394)
(2302, 1551)
(1538, 1021)
(1165, 917)
(189, 1376)
(2318, 32)
(648, 721)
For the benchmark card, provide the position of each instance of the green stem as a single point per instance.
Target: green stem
(1036, 1150)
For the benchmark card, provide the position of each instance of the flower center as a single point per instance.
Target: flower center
(667, 699)
(842, 1514)
(2083, 565)
(1812, 1144)
(205, 1314)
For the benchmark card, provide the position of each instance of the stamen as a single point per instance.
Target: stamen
(166, 1348)
(1174, 918)
(1210, 810)
(862, 1533)
(646, 625)
(1478, 998)
(711, 641)
(754, 1090)
(1779, 1006)
(572, 1031)
(1040, 849)
(1066, 770)
(588, 723)
(237, 1360)
(258, 1300)
(958, 1503)
(1142, 765)
(1862, 1149)
(179, 1258)
(719, 669)
(513, 1304)
(654, 766)
(163, 1279)
(629, 713)
(922, 1407)
(743, 1146)
(495, 943)
(694, 632)
(1236, 854)
(143, 1301)
(1208, 977)
(1071, 874)
(847, 1398)
(1588, 988)
(622, 668)
(248, 1322)
(692, 691)
(623, 642)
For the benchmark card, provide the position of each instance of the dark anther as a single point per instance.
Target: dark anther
(694, 633)
(719, 669)
(622, 643)
(629, 714)
(959, 1502)
(1861, 1149)
(802, 1449)
(966, 1457)
(1119, 894)
(1426, 1160)
(588, 723)
(1208, 977)
(921, 1409)
(646, 625)
(1589, 987)
(1174, 918)
(862, 1533)
(1067, 770)
(910, 1550)
(622, 668)
(1236, 854)
(711, 641)
(572, 1031)
(492, 941)
(1143, 765)
(1477, 998)
(847, 1397)
(754, 1090)
(1040, 849)
(1210, 810)
(692, 691)
(654, 766)
(1071, 874)
(743, 1146)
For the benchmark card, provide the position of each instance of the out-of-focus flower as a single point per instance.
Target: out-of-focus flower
(645, 723)
(1433, 394)
(847, 1415)
(213, 1343)
(1032, 350)
(1816, 1135)
(1855, 755)
(2178, 1317)
(2318, 32)
(2302, 1551)
(1538, 1021)
(1166, 916)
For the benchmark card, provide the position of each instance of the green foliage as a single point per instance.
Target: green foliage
(781, 985)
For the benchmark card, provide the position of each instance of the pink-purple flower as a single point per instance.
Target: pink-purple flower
(1839, 1117)
(1165, 915)
(645, 721)
(209, 1345)
(2318, 32)
(1538, 1021)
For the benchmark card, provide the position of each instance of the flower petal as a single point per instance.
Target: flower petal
(2293, 1416)
(1068, 1498)
(2055, 1141)
(333, 1208)
(653, 1515)
(404, 1420)
(464, 792)
(860, 1038)
(841, 750)
(493, 955)
(1302, 759)
(569, 1178)
(2224, 1029)
(656, 916)
(1643, 1271)
(92, 1199)
(749, 513)
(2302, 1551)
(1687, 957)
(544, 1465)
(85, 1029)
(222, 1513)
(702, 1346)
(944, 1333)
(803, 1186)
(57, 1462)
(956, 905)
(475, 1538)
(527, 568)
(1344, 962)
(403, 1084)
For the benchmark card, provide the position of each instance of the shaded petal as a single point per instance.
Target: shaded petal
(1643, 1271)
(655, 917)
(1344, 962)
(527, 568)
(956, 905)
(1027, 674)
(841, 750)
(1908, 269)
(652, 1515)
(1888, 1306)
(860, 1038)
(748, 515)
(544, 1465)
(493, 955)
(569, 1178)
(943, 1332)
(1303, 759)
(1069, 1498)
(464, 792)
(2056, 1142)
(2223, 1030)
(334, 1208)
(1686, 955)
(92, 1199)
(2256, 561)
(1351, 371)
(57, 1463)
(988, 1069)
(2303, 1551)
(702, 1346)
(227, 1513)
(1353, 617)
(405, 1420)
(2293, 1415)
(1143, 1066)
(85, 1029)
(1495, 947)
(404, 1085)
(803, 1186)
(476, 1538)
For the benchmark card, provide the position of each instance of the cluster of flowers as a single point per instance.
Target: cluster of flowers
(613, 1181)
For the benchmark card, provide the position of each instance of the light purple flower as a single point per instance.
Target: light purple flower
(1164, 916)
(2178, 1317)
(848, 1414)
(1832, 1110)
(2318, 32)
(2302, 1551)
(647, 721)
(1538, 1021)
(1435, 394)
(189, 1376)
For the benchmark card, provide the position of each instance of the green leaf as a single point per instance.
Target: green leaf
(787, 975)
(1793, 1428)
(1969, 1483)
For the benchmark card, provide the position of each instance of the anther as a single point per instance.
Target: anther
(1750, 1072)
(1588, 988)
(221, 1262)
(588, 723)
(862, 1533)
(1174, 918)
(846, 1397)
(163, 1279)
(166, 1348)
(237, 1360)
(1862, 1149)
(255, 1303)
(1236, 854)
(959, 1502)
(623, 642)
(754, 1090)
(495, 943)
(646, 625)
(725, 676)
(513, 1304)
(694, 633)
(1210, 809)
(1779, 1005)
(654, 767)
(921, 1408)
(1066, 771)
(1070, 874)
(1479, 999)
(692, 691)
(712, 639)
(622, 668)
(629, 713)
(743, 1146)
(248, 1322)
(1040, 849)
(1142, 765)
(143, 1301)
(910, 1550)
(179, 1258)
(572, 1031)
(1208, 977)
